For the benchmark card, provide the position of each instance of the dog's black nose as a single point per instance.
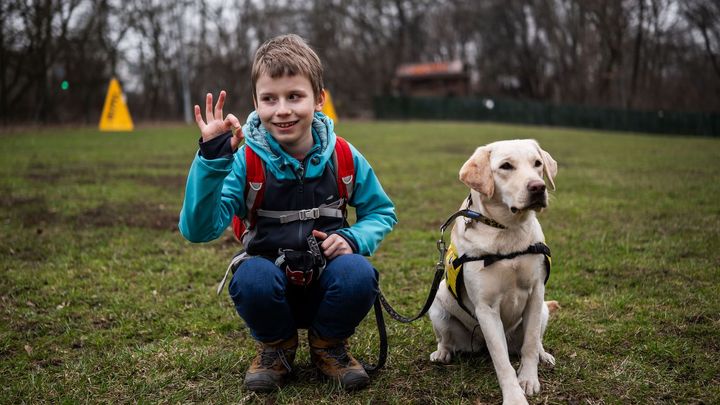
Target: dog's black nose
(536, 186)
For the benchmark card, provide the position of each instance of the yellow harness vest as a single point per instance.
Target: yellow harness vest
(451, 272)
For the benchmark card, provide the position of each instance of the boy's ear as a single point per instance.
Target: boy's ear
(320, 101)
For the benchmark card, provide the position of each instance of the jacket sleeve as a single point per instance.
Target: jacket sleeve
(213, 195)
(374, 210)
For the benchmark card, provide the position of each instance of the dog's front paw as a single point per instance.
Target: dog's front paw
(528, 380)
(441, 356)
(547, 359)
(531, 386)
(514, 398)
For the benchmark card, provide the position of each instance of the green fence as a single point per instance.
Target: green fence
(526, 112)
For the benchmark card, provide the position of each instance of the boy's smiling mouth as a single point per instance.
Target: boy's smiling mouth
(285, 125)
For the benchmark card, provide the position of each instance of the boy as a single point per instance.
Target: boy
(296, 144)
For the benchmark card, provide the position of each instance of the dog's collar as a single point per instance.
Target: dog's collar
(473, 216)
(476, 216)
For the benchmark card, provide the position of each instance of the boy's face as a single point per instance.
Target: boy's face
(286, 106)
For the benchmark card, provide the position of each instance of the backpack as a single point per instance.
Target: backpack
(255, 181)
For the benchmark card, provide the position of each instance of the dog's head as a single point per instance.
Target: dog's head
(511, 172)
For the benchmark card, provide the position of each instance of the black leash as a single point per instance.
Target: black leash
(439, 266)
(382, 332)
(381, 302)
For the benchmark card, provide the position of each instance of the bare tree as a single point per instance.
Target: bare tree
(168, 54)
(704, 19)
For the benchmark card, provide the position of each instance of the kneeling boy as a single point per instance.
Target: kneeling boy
(300, 203)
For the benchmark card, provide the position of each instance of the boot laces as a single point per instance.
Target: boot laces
(269, 355)
(339, 354)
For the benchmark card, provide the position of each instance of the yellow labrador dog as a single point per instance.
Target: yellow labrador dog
(498, 301)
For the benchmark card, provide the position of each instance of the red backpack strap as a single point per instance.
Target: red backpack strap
(254, 192)
(238, 228)
(345, 168)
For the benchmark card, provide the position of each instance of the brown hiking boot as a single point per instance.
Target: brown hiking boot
(271, 365)
(333, 359)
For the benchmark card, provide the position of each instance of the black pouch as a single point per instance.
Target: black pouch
(301, 267)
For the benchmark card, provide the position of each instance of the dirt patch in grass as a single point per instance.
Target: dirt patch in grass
(44, 175)
(80, 173)
(702, 328)
(160, 181)
(31, 211)
(137, 215)
(181, 166)
(9, 201)
(105, 173)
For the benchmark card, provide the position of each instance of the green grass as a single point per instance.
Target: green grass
(101, 299)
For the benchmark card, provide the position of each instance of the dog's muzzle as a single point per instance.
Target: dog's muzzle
(537, 197)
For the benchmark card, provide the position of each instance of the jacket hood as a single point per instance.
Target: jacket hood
(282, 165)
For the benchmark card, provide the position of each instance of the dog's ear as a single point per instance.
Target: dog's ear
(476, 172)
(550, 167)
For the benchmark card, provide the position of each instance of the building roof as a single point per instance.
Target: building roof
(432, 69)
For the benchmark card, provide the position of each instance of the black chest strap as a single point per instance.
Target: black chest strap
(538, 248)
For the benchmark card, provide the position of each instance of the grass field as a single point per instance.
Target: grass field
(101, 299)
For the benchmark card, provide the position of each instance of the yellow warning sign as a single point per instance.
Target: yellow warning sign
(329, 108)
(115, 115)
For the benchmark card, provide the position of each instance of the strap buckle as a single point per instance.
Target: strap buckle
(313, 213)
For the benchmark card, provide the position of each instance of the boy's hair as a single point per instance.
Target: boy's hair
(287, 55)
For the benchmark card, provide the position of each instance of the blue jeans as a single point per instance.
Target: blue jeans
(332, 306)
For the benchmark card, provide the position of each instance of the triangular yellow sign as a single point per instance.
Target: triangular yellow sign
(329, 108)
(115, 115)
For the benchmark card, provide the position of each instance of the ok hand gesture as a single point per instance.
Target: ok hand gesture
(216, 125)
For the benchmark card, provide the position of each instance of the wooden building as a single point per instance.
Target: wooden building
(434, 79)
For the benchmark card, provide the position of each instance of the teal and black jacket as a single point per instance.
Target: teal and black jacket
(215, 186)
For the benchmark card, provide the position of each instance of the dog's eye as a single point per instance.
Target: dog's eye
(538, 163)
(507, 166)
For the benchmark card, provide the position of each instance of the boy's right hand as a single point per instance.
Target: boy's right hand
(333, 245)
(216, 125)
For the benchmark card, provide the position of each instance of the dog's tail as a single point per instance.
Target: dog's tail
(552, 306)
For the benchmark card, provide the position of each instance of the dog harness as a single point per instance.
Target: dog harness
(454, 266)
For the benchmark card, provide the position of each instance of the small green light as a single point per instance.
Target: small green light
(64, 85)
